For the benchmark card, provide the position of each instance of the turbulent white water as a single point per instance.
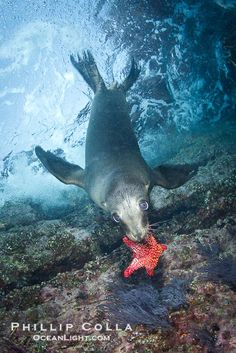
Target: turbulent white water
(185, 76)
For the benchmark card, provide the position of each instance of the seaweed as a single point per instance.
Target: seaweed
(173, 295)
(207, 339)
(223, 270)
(219, 268)
(144, 304)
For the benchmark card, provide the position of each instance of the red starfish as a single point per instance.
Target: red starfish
(144, 255)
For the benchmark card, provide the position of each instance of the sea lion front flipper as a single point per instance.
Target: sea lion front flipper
(173, 176)
(64, 171)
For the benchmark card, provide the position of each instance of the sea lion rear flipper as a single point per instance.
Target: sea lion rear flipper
(132, 76)
(88, 69)
(64, 171)
(173, 176)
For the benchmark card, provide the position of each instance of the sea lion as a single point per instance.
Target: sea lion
(116, 176)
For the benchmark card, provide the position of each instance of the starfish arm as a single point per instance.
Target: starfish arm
(138, 250)
(128, 242)
(135, 265)
(152, 242)
(150, 271)
(128, 272)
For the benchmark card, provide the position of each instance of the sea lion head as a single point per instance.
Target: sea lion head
(128, 205)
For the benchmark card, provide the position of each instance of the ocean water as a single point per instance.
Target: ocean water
(186, 51)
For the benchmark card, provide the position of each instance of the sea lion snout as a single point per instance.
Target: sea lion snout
(138, 237)
(137, 227)
(128, 204)
(134, 221)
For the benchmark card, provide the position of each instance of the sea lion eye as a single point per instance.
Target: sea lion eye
(116, 217)
(143, 205)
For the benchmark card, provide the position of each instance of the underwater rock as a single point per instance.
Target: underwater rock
(35, 253)
(32, 253)
(17, 213)
(213, 184)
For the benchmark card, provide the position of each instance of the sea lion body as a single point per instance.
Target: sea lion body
(112, 150)
(116, 176)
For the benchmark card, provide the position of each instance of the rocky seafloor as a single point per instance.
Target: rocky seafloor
(62, 266)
